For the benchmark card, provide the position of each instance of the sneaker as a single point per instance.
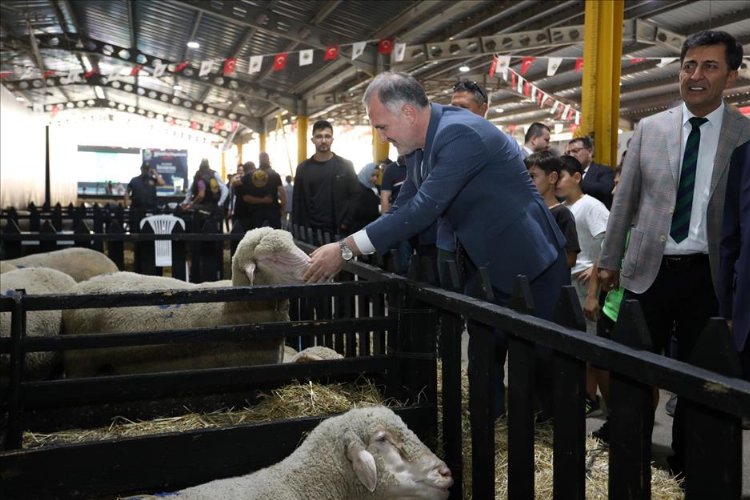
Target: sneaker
(594, 407)
(602, 433)
(671, 405)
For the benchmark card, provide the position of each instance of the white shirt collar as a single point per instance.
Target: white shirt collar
(712, 117)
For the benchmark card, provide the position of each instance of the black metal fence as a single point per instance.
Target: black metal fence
(388, 328)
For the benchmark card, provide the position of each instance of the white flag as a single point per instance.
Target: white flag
(665, 60)
(399, 52)
(206, 68)
(159, 68)
(503, 63)
(519, 87)
(554, 107)
(578, 118)
(305, 57)
(116, 73)
(357, 49)
(533, 93)
(565, 112)
(255, 63)
(72, 76)
(552, 64)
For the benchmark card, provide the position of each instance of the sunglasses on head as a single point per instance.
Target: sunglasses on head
(470, 86)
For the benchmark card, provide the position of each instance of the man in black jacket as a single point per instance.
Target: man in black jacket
(325, 187)
(598, 180)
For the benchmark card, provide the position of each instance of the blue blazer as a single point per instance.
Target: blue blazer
(471, 174)
(734, 249)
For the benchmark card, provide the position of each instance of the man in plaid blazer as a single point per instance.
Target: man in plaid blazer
(674, 275)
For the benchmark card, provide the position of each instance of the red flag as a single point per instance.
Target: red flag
(172, 121)
(493, 67)
(229, 64)
(332, 52)
(136, 70)
(571, 115)
(526, 63)
(526, 89)
(48, 73)
(54, 111)
(194, 125)
(636, 60)
(218, 124)
(89, 74)
(181, 66)
(573, 128)
(279, 61)
(513, 80)
(385, 46)
(5, 74)
(511, 128)
(542, 98)
(579, 63)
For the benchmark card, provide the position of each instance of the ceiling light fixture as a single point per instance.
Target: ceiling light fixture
(193, 44)
(19, 98)
(464, 69)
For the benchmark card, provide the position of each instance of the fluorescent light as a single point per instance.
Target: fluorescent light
(19, 98)
(499, 110)
(193, 44)
(99, 92)
(464, 69)
(87, 63)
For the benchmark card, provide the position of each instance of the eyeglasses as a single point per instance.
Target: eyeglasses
(471, 87)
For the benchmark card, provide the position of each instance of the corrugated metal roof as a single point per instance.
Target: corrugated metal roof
(245, 28)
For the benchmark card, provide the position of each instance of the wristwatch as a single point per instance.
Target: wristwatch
(346, 252)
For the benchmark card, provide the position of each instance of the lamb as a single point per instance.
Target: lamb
(316, 353)
(265, 256)
(79, 263)
(364, 453)
(36, 281)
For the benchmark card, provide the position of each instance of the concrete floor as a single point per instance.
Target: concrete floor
(662, 435)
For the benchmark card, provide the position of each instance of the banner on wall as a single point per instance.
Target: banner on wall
(171, 164)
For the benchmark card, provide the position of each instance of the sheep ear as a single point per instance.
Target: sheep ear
(250, 271)
(362, 461)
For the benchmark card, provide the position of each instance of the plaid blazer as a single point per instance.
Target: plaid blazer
(646, 196)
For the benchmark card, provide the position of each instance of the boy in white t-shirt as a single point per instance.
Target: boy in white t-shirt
(591, 222)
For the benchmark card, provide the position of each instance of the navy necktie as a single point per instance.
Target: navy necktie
(684, 205)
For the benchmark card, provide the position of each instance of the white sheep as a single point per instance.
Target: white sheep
(315, 353)
(36, 281)
(79, 263)
(265, 256)
(364, 453)
(5, 266)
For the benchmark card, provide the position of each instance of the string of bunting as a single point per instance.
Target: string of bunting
(501, 65)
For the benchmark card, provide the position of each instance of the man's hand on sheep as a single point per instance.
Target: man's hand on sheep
(326, 261)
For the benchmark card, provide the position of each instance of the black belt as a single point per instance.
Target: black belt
(688, 261)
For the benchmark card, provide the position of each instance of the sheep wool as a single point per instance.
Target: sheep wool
(315, 353)
(79, 263)
(6, 266)
(36, 281)
(364, 453)
(264, 256)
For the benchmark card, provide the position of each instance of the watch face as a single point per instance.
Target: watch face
(346, 252)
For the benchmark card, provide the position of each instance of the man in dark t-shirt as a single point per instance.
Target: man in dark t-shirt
(325, 187)
(140, 195)
(260, 190)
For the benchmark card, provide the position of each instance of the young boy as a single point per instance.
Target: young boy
(544, 170)
(591, 222)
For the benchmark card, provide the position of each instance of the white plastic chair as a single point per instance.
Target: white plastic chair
(162, 224)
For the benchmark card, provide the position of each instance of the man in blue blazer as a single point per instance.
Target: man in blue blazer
(460, 168)
(734, 254)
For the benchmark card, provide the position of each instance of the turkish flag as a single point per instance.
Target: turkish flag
(89, 74)
(181, 66)
(48, 73)
(194, 125)
(636, 60)
(5, 74)
(332, 52)
(526, 63)
(54, 111)
(385, 46)
(526, 89)
(493, 67)
(579, 63)
(229, 64)
(136, 70)
(279, 61)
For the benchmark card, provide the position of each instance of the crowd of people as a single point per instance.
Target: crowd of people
(664, 227)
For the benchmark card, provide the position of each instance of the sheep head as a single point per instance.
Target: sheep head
(387, 457)
(268, 256)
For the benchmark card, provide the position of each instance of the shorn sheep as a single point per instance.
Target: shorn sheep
(364, 453)
(36, 281)
(265, 256)
(78, 263)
